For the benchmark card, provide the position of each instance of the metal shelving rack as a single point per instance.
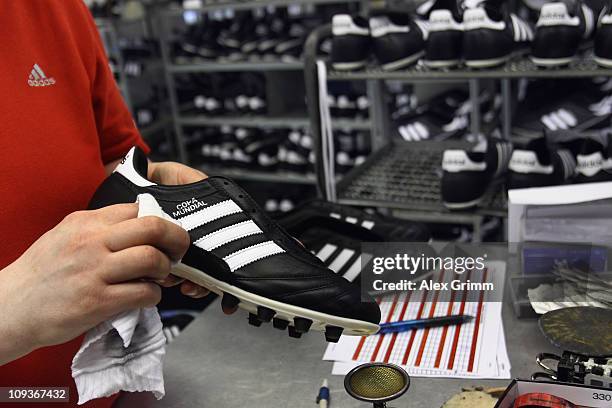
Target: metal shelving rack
(108, 33)
(267, 122)
(181, 119)
(108, 29)
(516, 69)
(239, 66)
(389, 179)
(249, 5)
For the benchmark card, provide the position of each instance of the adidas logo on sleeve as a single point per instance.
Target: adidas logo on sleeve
(38, 78)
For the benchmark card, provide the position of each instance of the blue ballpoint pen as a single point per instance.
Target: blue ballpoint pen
(323, 397)
(406, 325)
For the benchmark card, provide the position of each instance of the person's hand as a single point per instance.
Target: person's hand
(172, 174)
(92, 266)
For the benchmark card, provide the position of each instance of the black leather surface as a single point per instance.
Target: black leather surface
(603, 41)
(396, 46)
(485, 44)
(556, 41)
(316, 214)
(350, 48)
(444, 46)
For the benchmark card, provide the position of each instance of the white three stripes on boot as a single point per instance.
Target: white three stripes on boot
(340, 262)
(341, 259)
(326, 252)
(218, 238)
(227, 235)
(209, 214)
(251, 254)
(355, 268)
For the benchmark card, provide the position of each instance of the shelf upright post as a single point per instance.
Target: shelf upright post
(506, 90)
(171, 88)
(474, 85)
(376, 91)
(379, 115)
(311, 83)
(110, 40)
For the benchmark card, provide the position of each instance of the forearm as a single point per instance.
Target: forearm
(15, 339)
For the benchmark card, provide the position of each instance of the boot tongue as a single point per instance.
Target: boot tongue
(140, 161)
(134, 167)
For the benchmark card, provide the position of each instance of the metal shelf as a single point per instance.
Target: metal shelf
(214, 66)
(520, 68)
(254, 175)
(407, 177)
(245, 121)
(246, 5)
(268, 122)
(351, 124)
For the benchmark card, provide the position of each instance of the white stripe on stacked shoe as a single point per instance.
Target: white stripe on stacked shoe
(589, 20)
(367, 224)
(413, 132)
(559, 119)
(424, 27)
(522, 31)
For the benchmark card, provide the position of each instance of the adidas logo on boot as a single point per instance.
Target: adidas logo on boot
(444, 46)
(538, 165)
(560, 29)
(492, 35)
(468, 175)
(594, 164)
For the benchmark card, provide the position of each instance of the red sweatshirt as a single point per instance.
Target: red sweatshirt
(61, 119)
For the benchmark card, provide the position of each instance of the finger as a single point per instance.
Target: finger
(164, 235)
(132, 295)
(189, 175)
(114, 214)
(170, 173)
(193, 290)
(140, 262)
(170, 281)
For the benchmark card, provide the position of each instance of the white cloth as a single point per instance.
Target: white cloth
(124, 353)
